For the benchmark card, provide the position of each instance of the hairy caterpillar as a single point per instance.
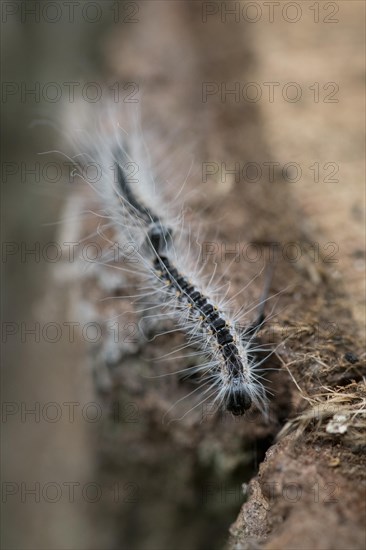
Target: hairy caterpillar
(136, 210)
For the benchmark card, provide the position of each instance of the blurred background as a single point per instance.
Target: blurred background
(240, 82)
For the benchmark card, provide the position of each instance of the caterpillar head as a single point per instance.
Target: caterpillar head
(238, 400)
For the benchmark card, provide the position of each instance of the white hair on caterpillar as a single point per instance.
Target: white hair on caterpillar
(144, 216)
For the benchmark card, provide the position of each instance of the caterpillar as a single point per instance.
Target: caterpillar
(165, 264)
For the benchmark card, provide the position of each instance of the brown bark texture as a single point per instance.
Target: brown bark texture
(201, 480)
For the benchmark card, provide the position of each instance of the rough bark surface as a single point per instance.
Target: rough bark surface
(310, 488)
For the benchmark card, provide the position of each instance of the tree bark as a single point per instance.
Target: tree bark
(309, 489)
